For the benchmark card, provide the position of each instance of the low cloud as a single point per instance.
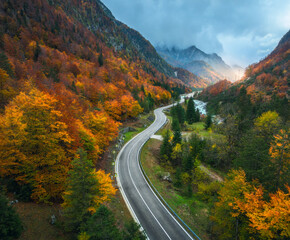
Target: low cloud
(242, 32)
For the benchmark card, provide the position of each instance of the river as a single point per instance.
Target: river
(200, 105)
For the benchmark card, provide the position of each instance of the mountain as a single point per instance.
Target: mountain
(208, 66)
(204, 70)
(70, 75)
(129, 42)
(266, 84)
(190, 79)
(271, 75)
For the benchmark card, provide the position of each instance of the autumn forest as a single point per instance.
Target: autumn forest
(71, 76)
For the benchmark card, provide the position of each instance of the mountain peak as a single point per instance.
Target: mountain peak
(208, 66)
(284, 39)
(192, 48)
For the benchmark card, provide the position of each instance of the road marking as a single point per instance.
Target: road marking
(140, 193)
(156, 112)
(157, 196)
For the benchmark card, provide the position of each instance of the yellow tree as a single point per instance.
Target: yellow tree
(267, 124)
(271, 219)
(280, 157)
(104, 187)
(103, 128)
(231, 223)
(34, 144)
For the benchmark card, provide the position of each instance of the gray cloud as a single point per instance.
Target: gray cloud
(241, 31)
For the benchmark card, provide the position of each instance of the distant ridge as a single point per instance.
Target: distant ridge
(207, 66)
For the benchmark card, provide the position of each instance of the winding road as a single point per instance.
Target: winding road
(144, 205)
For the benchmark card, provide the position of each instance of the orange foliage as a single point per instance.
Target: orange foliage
(68, 99)
(34, 144)
(272, 218)
(123, 108)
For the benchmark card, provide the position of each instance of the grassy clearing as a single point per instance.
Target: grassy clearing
(36, 220)
(131, 134)
(142, 123)
(191, 210)
(198, 128)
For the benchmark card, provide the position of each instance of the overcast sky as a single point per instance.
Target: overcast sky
(241, 31)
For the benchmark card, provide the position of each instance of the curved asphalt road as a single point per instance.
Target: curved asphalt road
(142, 202)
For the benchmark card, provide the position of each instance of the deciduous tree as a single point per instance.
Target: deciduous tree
(280, 157)
(34, 143)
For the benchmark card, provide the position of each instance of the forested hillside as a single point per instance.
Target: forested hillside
(70, 75)
(65, 85)
(266, 84)
(253, 117)
(231, 169)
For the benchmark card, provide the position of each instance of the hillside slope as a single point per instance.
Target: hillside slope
(69, 76)
(271, 75)
(128, 41)
(266, 84)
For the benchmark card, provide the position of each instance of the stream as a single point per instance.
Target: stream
(200, 105)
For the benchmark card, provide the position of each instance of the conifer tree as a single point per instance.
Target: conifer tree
(176, 131)
(166, 148)
(86, 191)
(197, 117)
(101, 59)
(178, 180)
(10, 224)
(80, 193)
(132, 232)
(180, 114)
(208, 121)
(190, 111)
(37, 52)
(5, 64)
(102, 225)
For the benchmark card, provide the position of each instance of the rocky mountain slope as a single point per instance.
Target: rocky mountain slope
(130, 42)
(265, 83)
(208, 66)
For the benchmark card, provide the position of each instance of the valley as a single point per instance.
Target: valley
(104, 136)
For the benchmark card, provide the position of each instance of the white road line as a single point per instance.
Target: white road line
(158, 197)
(140, 193)
(120, 184)
(121, 188)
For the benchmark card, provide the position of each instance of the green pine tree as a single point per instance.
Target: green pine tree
(37, 52)
(132, 232)
(208, 121)
(190, 111)
(177, 178)
(10, 224)
(166, 148)
(197, 116)
(176, 131)
(101, 59)
(102, 225)
(180, 114)
(5, 64)
(80, 192)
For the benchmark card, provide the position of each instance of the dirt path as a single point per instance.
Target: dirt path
(210, 173)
